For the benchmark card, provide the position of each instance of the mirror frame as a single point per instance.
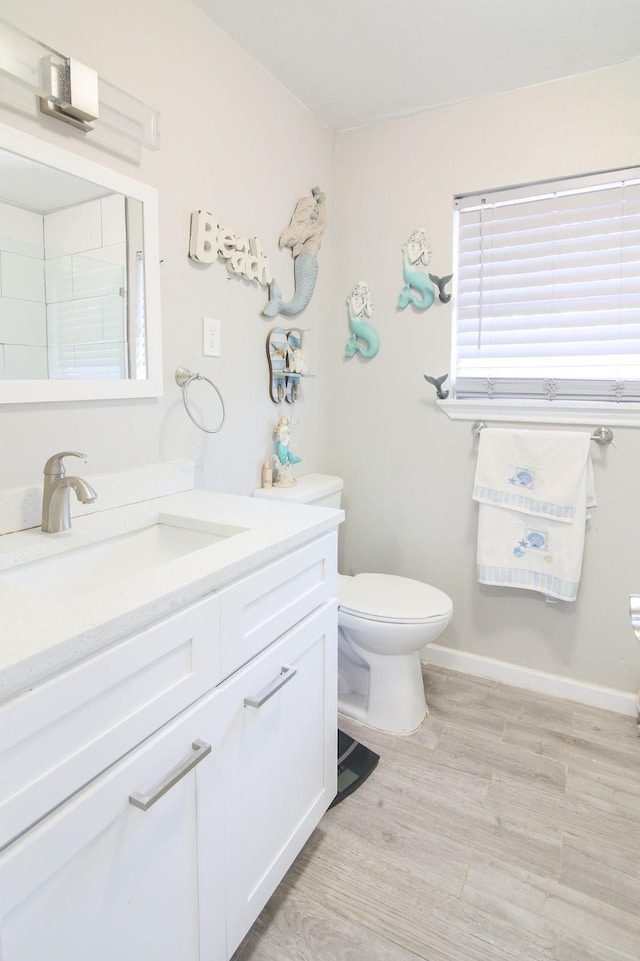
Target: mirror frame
(43, 391)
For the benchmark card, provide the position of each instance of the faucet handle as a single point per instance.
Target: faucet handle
(55, 466)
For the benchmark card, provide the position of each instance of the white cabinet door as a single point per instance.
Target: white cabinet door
(99, 879)
(279, 762)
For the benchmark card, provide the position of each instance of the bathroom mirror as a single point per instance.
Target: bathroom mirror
(79, 278)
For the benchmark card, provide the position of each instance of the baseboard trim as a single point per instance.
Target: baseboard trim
(594, 695)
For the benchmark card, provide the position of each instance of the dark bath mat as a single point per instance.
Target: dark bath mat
(355, 764)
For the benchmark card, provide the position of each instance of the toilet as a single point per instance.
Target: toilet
(383, 623)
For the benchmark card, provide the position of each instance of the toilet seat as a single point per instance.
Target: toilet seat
(392, 599)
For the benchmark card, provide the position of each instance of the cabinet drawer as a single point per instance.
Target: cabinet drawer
(57, 737)
(260, 608)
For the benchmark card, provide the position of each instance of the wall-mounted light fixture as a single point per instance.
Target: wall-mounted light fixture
(72, 92)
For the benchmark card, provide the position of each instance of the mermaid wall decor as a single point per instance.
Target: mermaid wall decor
(363, 340)
(420, 289)
(303, 236)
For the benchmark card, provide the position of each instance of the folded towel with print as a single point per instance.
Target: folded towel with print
(533, 509)
(534, 471)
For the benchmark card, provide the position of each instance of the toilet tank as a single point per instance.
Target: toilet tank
(319, 490)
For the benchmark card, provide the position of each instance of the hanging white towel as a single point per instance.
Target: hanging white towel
(534, 488)
(534, 471)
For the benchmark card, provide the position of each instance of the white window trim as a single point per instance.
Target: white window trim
(543, 412)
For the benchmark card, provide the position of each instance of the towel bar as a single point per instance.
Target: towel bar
(601, 435)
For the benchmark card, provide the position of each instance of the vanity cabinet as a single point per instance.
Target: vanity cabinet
(237, 779)
(98, 878)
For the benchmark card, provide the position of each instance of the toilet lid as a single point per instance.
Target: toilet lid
(386, 597)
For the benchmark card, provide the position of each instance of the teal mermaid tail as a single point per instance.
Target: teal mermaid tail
(284, 455)
(418, 288)
(361, 330)
(305, 272)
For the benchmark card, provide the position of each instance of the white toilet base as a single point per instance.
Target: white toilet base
(395, 701)
(379, 679)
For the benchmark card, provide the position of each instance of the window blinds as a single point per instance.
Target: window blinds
(547, 300)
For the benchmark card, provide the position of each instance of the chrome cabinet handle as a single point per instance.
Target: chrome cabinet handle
(144, 801)
(286, 674)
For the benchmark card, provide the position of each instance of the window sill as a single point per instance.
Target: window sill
(543, 412)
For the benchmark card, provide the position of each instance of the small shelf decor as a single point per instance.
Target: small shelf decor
(287, 364)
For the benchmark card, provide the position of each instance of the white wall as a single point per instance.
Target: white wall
(408, 469)
(233, 142)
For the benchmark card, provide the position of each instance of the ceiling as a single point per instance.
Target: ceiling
(353, 62)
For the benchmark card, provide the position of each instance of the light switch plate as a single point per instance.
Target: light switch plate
(211, 334)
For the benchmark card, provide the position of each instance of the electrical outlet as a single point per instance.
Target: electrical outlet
(211, 346)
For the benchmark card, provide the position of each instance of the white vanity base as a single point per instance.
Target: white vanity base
(231, 698)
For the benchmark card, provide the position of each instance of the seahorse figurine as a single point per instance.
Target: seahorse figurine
(303, 236)
(359, 305)
(420, 289)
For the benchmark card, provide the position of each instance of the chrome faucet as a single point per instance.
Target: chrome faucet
(56, 508)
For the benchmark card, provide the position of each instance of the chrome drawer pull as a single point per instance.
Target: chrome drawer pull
(144, 801)
(286, 674)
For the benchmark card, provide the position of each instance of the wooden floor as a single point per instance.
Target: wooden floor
(506, 829)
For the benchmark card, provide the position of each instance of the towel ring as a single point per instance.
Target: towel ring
(184, 378)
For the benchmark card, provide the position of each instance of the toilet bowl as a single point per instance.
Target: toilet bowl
(383, 623)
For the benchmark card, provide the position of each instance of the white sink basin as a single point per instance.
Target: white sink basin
(88, 568)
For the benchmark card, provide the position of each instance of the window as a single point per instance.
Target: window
(547, 292)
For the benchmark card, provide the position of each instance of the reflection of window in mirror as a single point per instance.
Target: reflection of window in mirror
(72, 291)
(85, 271)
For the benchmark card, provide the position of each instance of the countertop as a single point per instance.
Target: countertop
(41, 634)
